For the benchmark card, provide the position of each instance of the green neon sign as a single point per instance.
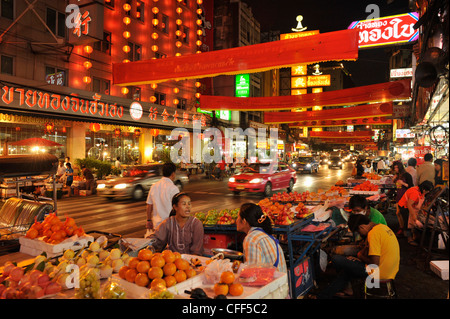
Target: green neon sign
(243, 85)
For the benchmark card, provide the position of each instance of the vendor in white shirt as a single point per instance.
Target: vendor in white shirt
(159, 199)
(61, 169)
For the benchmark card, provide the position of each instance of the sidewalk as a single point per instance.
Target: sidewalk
(415, 280)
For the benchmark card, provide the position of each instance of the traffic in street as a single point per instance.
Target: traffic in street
(127, 216)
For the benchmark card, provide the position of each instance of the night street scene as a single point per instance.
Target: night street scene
(258, 155)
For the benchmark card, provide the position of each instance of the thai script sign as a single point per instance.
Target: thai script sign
(96, 108)
(401, 73)
(387, 30)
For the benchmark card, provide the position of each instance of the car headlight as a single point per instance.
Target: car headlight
(232, 179)
(101, 186)
(340, 163)
(294, 165)
(120, 186)
(256, 180)
(308, 165)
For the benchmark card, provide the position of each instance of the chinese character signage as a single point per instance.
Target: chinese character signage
(55, 78)
(84, 20)
(96, 108)
(387, 30)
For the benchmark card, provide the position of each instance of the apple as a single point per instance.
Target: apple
(9, 293)
(43, 280)
(16, 273)
(7, 267)
(36, 292)
(34, 274)
(52, 288)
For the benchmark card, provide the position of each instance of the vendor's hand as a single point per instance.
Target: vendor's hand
(149, 225)
(353, 258)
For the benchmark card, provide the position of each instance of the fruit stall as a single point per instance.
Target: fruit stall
(298, 220)
(93, 271)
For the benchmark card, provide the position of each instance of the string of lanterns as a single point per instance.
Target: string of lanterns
(87, 64)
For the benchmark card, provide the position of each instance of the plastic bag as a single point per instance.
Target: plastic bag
(216, 268)
(256, 275)
(113, 290)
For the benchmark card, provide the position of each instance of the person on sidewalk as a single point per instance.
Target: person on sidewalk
(403, 181)
(410, 205)
(159, 199)
(382, 254)
(411, 169)
(426, 171)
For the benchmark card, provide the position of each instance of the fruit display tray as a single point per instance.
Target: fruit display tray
(35, 247)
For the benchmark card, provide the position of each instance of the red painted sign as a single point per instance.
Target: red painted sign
(387, 30)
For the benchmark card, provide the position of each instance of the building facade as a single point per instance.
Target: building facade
(56, 75)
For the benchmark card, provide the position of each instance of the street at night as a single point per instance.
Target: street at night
(273, 151)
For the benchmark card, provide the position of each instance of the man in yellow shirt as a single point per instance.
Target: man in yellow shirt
(382, 253)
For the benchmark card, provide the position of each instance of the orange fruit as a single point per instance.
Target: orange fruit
(227, 277)
(157, 261)
(158, 284)
(236, 289)
(155, 272)
(170, 281)
(133, 262)
(220, 289)
(169, 256)
(131, 274)
(145, 254)
(69, 222)
(180, 275)
(177, 255)
(190, 272)
(143, 266)
(141, 280)
(56, 227)
(32, 233)
(181, 264)
(169, 269)
(123, 271)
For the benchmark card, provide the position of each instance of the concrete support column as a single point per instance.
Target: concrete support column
(76, 144)
(146, 146)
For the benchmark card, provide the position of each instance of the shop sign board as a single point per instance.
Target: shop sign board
(404, 133)
(243, 85)
(400, 111)
(387, 30)
(55, 78)
(96, 108)
(401, 73)
(84, 21)
(294, 35)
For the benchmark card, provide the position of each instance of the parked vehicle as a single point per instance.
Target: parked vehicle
(335, 162)
(264, 178)
(306, 164)
(136, 182)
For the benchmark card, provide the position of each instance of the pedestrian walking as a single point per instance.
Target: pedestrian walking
(426, 171)
(159, 199)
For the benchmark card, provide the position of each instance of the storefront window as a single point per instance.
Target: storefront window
(108, 145)
(17, 133)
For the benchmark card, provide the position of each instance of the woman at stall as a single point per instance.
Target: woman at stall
(410, 204)
(69, 177)
(403, 180)
(181, 232)
(260, 247)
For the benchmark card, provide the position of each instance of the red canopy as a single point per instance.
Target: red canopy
(382, 92)
(355, 112)
(339, 45)
(339, 135)
(327, 123)
(35, 141)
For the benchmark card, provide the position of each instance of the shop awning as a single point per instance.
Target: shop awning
(356, 112)
(381, 92)
(331, 46)
(327, 123)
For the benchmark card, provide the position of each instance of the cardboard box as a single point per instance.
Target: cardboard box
(440, 268)
(35, 247)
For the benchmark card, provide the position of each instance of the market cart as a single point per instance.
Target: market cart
(18, 213)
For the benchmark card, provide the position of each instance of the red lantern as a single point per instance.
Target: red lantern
(154, 132)
(94, 127)
(49, 127)
(64, 129)
(137, 132)
(117, 132)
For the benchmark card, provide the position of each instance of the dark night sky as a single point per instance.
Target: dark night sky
(327, 16)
